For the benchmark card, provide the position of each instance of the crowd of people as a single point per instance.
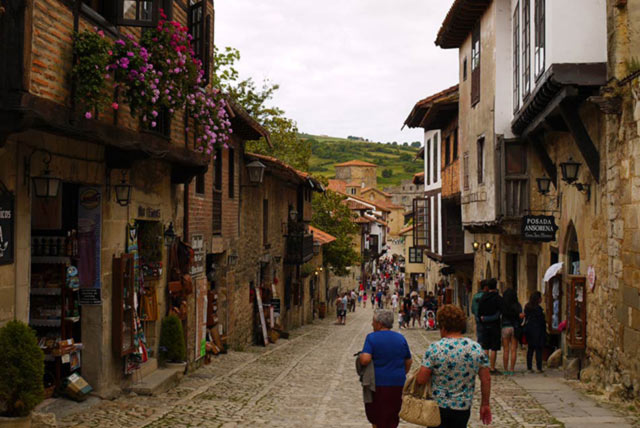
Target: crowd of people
(451, 364)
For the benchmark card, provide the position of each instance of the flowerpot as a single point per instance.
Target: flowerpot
(24, 422)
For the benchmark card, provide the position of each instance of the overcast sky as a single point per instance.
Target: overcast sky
(345, 67)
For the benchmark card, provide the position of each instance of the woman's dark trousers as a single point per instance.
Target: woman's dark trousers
(538, 351)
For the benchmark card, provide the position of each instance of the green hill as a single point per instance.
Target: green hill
(327, 151)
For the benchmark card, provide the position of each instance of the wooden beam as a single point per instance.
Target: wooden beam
(569, 113)
(567, 91)
(545, 159)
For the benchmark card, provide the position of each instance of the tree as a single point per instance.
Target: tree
(332, 216)
(416, 144)
(283, 131)
(387, 173)
(405, 144)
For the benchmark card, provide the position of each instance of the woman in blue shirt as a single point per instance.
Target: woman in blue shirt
(391, 359)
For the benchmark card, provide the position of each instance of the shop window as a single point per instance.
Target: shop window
(480, 159)
(526, 47)
(577, 301)
(232, 172)
(516, 58)
(475, 65)
(539, 18)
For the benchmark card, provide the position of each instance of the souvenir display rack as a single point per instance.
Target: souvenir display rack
(577, 312)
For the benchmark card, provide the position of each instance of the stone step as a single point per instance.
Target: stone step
(159, 381)
(147, 368)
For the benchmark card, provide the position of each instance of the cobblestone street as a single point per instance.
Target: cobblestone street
(308, 380)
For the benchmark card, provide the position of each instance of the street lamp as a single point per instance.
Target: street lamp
(256, 172)
(45, 185)
(169, 235)
(570, 170)
(123, 191)
(544, 183)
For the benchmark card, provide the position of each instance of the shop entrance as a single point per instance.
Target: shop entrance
(64, 257)
(512, 271)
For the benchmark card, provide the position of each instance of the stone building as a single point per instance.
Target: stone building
(357, 176)
(89, 164)
(404, 193)
(560, 144)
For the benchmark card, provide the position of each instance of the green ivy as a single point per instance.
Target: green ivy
(89, 73)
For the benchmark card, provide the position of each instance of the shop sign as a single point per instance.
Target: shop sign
(89, 245)
(149, 212)
(197, 244)
(540, 228)
(7, 222)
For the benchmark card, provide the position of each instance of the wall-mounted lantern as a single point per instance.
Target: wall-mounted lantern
(169, 235)
(544, 184)
(475, 245)
(256, 172)
(45, 185)
(123, 191)
(570, 171)
(488, 246)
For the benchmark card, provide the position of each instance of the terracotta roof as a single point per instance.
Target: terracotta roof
(443, 100)
(377, 220)
(362, 220)
(339, 186)
(406, 230)
(418, 178)
(375, 204)
(356, 162)
(459, 22)
(286, 171)
(321, 236)
(374, 189)
(356, 206)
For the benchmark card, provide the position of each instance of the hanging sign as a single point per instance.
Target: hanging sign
(540, 228)
(197, 267)
(7, 222)
(89, 245)
(591, 278)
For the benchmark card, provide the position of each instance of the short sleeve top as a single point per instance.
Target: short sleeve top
(454, 364)
(389, 351)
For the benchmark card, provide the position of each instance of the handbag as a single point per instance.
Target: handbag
(419, 409)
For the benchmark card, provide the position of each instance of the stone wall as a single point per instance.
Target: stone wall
(357, 175)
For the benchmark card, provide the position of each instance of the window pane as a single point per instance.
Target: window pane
(129, 11)
(146, 11)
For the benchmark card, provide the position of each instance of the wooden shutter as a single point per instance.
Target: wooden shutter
(480, 159)
(421, 218)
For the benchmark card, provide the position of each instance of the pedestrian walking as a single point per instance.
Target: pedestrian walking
(489, 310)
(534, 330)
(391, 358)
(415, 312)
(341, 309)
(451, 365)
(511, 329)
(354, 298)
(364, 300)
(475, 304)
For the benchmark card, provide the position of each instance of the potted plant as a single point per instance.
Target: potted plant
(21, 374)
(172, 346)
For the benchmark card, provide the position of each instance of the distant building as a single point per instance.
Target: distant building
(404, 194)
(357, 176)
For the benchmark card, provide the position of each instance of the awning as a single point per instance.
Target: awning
(552, 271)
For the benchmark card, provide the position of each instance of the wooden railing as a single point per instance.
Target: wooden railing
(299, 248)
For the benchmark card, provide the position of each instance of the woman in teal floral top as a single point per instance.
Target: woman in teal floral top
(451, 365)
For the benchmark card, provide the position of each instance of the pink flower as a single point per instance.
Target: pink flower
(101, 33)
(115, 106)
(110, 52)
(87, 115)
(153, 124)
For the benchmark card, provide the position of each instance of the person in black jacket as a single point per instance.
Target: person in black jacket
(535, 330)
(489, 311)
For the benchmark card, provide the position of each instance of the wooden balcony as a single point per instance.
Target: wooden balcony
(516, 197)
(299, 248)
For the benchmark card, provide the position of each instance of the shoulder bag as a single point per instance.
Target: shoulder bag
(419, 409)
